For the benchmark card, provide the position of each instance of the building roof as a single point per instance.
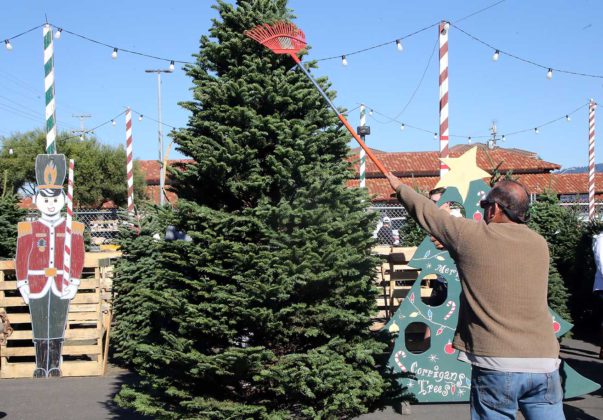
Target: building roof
(562, 184)
(151, 169)
(428, 163)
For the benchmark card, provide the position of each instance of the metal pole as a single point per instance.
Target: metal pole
(362, 169)
(591, 159)
(443, 40)
(160, 134)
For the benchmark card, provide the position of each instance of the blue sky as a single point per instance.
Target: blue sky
(514, 94)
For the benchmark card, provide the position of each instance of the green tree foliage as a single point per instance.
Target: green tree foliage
(586, 310)
(411, 234)
(100, 169)
(10, 215)
(558, 296)
(265, 314)
(562, 230)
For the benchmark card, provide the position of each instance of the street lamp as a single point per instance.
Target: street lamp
(160, 132)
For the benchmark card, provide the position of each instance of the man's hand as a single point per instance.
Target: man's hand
(436, 243)
(393, 180)
(24, 290)
(69, 292)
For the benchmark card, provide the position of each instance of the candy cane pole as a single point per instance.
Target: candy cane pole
(591, 159)
(129, 162)
(362, 170)
(443, 37)
(51, 129)
(68, 225)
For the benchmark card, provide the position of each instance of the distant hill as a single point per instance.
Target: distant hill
(580, 169)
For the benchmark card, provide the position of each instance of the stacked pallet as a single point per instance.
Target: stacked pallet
(394, 279)
(87, 335)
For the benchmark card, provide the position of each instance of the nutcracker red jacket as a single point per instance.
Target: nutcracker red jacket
(40, 251)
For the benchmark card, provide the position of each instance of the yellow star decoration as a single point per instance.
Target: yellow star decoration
(463, 170)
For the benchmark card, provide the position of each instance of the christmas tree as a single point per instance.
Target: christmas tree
(439, 376)
(265, 313)
(10, 216)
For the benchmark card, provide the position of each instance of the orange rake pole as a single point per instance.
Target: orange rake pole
(286, 38)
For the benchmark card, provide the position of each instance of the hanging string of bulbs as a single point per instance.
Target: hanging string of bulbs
(344, 57)
(115, 50)
(535, 129)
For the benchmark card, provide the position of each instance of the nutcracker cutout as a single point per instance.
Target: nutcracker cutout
(41, 280)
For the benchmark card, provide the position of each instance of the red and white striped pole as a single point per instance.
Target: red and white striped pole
(591, 159)
(68, 224)
(129, 162)
(443, 37)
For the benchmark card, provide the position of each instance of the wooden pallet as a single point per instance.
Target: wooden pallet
(88, 325)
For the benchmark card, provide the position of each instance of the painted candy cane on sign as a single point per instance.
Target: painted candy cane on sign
(398, 355)
(452, 307)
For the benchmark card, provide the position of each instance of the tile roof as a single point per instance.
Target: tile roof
(566, 184)
(428, 164)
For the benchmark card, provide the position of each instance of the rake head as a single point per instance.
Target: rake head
(280, 37)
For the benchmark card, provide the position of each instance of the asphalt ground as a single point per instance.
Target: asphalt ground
(91, 398)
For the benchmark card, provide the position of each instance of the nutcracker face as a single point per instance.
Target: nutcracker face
(50, 205)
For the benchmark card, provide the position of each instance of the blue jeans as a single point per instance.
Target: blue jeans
(498, 395)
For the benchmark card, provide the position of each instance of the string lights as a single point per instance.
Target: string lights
(114, 53)
(8, 45)
(535, 129)
(57, 34)
(344, 60)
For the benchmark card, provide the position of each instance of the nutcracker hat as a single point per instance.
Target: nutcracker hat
(50, 171)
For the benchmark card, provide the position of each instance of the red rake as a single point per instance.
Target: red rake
(286, 38)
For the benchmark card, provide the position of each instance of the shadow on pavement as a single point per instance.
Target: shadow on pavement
(574, 413)
(125, 378)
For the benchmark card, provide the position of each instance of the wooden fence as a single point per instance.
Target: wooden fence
(87, 336)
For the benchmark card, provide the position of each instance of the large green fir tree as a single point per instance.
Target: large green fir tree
(265, 314)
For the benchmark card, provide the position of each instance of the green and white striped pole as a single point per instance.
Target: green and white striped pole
(362, 170)
(51, 128)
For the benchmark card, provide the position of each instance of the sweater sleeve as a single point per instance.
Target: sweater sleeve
(437, 222)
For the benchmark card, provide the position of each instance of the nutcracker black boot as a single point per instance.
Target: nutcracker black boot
(56, 347)
(41, 358)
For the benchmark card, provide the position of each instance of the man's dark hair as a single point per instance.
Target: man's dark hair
(440, 190)
(513, 198)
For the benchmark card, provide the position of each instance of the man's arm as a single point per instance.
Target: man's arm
(437, 222)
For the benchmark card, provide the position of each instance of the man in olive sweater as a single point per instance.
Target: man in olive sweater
(504, 329)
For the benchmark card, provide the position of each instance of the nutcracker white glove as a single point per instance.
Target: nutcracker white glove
(69, 292)
(24, 290)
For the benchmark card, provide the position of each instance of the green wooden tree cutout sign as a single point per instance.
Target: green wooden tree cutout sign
(438, 375)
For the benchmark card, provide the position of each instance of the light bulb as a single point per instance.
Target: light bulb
(81, 137)
(549, 74)
(496, 55)
(568, 118)
(140, 117)
(446, 26)
(11, 151)
(503, 137)
(113, 123)
(57, 34)
(402, 127)
(344, 60)
(370, 112)
(8, 45)
(435, 136)
(114, 53)
(172, 65)
(536, 130)
(399, 45)
(469, 138)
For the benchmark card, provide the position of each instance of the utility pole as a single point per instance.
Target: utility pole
(160, 133)
(82, 131)
(494, 139)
